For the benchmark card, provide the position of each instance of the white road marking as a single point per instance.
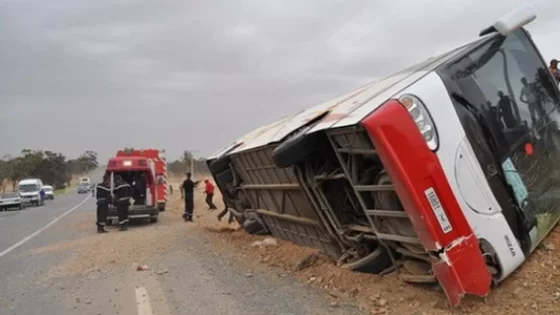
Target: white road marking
(26, 239)
(143, 302)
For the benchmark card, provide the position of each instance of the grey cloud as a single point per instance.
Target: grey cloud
(198, 74)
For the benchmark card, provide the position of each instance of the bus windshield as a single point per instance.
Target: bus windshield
(508, 82)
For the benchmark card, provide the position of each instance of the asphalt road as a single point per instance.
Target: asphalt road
(36, 245)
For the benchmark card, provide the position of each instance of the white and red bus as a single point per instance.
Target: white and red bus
(445, 170)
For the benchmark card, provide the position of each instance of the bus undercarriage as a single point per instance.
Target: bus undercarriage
(339, 199)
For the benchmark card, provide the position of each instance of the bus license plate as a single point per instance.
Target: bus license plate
(438, 210)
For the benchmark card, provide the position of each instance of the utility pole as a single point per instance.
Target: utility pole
(192, 161)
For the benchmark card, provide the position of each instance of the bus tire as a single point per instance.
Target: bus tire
(220, 164)
(252, 226)
(297, 147)
(225, 177)
(375, 262)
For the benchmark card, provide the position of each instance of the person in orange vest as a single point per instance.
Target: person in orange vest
(209, 191)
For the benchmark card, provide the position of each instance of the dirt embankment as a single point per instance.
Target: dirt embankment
(533, 289)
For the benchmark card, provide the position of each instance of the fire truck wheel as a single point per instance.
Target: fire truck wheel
(154, 219)
(297, 147)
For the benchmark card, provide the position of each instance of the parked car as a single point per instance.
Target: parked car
(85, 180)
(49, 192)
(84, 188)
(11, 200)
(30, 190)
(423, 171)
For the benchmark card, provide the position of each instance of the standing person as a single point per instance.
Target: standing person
(140, 190)
(529, 97)
(554, 69)
(103, 195)
(506, 111)
(42, 195)
(123, 193)
(171, 189)
(209, 191)
(187, 193)
(229, 193)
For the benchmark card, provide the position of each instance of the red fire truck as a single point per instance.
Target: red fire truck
(145, 166)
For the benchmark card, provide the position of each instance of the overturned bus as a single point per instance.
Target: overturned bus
(444, 171)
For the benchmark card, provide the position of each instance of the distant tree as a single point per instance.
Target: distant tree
(51, 167)
(72, 167)
(54, 170)
(183, 164)
(176, 167)
(88, 161)
(4, 173)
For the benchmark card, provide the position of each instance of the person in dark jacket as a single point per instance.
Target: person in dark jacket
(229, 194)
(187, 190)
(103, 195)
(42, 195)
(506, 110)
(140, 190)
(554, 70)
(123, 193)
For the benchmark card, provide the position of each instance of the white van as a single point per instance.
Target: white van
(30, 190)
(84, 185)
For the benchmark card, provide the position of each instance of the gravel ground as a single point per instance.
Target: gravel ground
(210, 267)
(533, 289)
(69, 269)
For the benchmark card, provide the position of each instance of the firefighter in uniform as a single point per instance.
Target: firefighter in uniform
(103, 195)
(187, 190)
(123, 193)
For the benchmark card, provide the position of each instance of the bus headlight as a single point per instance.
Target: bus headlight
(422, 118)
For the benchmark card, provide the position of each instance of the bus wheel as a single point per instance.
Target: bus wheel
(297, 147)
(375, 262)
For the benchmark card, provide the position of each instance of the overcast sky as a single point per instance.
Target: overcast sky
(77, 75)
